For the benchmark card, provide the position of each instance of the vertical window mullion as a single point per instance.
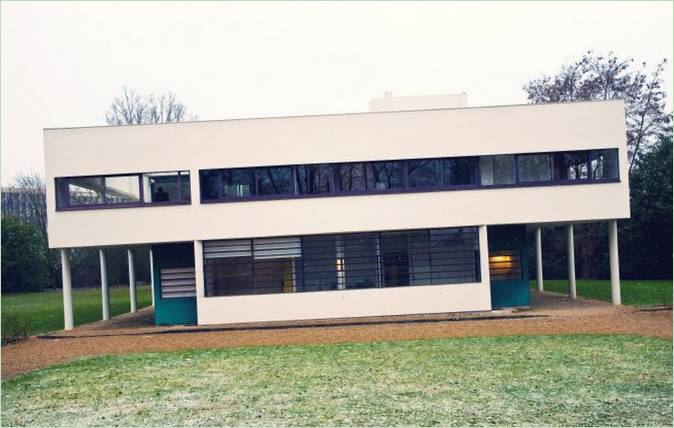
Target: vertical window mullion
(430, 258)
(105, 193)
(405, 184)
(516, 163)
(180, 187)
(141, 192)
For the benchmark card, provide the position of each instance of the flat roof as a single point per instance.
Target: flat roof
(337, 114)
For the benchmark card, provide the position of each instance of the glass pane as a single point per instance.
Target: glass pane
(495, 170)
(275, 181)
(533, 168)
(160, 187)
(85, 191)
(237, 183)
(361, 260)
(605, 164)
(313, 179)
(185, 191)
(505, 264)
(61, 192)
(459, 171)
(570, 165)
(424, 173)
(350, 177)
(229, 276)
(321, 266)
(454, 255)
(395, 259)
(122, 189)
(384, 175)
(210, 184)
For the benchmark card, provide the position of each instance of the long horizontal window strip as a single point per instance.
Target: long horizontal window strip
(127, 190)
(341, 261)
(413, 175)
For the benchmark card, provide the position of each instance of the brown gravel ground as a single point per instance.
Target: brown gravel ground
(549, 314)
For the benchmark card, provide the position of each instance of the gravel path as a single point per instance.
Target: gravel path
(550, 314)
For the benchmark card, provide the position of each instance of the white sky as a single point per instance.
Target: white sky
(62, 63)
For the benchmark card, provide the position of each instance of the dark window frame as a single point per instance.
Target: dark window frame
(65, 181)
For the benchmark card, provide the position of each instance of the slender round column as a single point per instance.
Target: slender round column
(132, 281)
(539, 260)
(152, 280)
(67, 290)
(614, 262)
(105, 291)
(571, 260)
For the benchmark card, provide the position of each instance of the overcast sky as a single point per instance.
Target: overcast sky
(62, 63)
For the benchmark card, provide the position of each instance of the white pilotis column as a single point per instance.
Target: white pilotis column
(484, 254)
(571, 260)
(152, 276)
(199, 269)
(105, 291)
(199, 274)
(67, 290)
(614, 262)
(132, 281)
(539, 260)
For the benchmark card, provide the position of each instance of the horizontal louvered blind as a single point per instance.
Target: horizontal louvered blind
(230, 248)
(504, 265)
(177, 282)
(270, 248)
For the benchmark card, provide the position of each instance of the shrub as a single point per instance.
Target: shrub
(24, 266)
(14, 329)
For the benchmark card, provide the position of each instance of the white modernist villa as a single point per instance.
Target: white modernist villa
(419, 206)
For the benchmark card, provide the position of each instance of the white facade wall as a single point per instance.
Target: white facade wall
(335, 138)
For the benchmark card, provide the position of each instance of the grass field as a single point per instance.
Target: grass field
(43, 311)
(576, 380)
(635, 292)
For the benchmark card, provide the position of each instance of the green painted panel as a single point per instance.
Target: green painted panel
(173, 311)
(512, 292)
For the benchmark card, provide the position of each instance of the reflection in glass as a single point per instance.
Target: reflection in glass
(497, 170)
(313, 179)
(570, 165)
(237, 183)
(459, 171)
(161, 187)
(424, 173)
(384, 175)
(275, 181)
(123, 189)
(350, 177)
(605, 164)
(85, 191)
(531, 168)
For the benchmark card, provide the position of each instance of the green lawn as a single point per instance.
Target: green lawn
(575, 380)
(637, 292)
(44, 310)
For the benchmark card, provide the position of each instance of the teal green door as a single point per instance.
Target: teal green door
(508, 267)
(176, 305)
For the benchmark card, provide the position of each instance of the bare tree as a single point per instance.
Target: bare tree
(606, 77)
(131, 108)
(599, 77)
(30, 187)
